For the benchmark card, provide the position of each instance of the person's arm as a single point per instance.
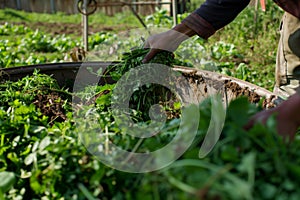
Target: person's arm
(214, 15)
(205, 21)
(287, 117)
(290, 6)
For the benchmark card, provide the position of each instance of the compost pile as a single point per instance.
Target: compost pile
(41, 156)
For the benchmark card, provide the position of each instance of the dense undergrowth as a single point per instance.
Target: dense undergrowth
(42, 157)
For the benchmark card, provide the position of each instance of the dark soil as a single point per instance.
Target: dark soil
(253, 97)
(51, 105)
(233, 89)
(237, 90)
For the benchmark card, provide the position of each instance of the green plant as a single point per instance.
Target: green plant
(22, 50)
(160, 18)
(41, 156)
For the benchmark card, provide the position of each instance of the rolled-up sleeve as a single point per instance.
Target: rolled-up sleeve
(213, 15)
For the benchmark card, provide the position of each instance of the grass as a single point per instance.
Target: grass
(11, 15)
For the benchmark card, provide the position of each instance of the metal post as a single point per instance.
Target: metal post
(52, 5)
(135, 7)
(174, 8)
(19, 5)
(85, 30)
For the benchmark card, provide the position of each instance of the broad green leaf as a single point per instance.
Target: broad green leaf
(44, 143)
(30, 158)
(7, 180)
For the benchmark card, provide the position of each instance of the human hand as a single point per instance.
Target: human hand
(287, 116)
(167, 41)
(285, 127)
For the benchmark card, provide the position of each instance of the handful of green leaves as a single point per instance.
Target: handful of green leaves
(135, 57)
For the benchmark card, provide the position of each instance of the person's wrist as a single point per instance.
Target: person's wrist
(182, 28)
(179, 33)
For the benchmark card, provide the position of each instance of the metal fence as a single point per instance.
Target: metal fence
(41, 6)
(70, 6)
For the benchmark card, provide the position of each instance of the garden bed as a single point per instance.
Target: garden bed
(46, 159)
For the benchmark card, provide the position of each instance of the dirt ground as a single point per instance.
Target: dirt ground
(70, 29)
(233, 89)
(51, 105)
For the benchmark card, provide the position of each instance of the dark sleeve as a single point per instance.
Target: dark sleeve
(213, 15)
(290, 6)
